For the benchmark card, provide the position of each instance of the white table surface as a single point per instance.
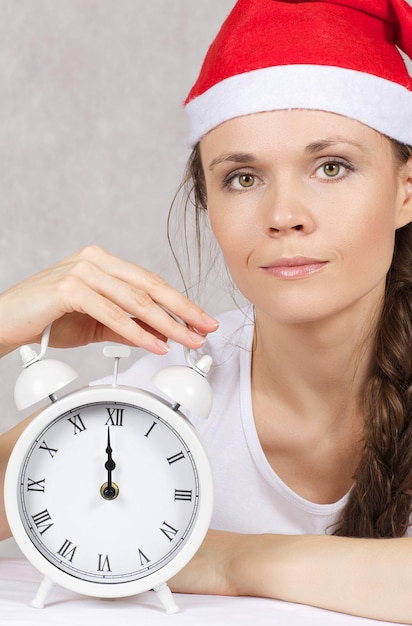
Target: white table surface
(19, 582)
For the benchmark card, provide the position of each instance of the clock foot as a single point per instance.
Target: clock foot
(166, 598)
(42, 593)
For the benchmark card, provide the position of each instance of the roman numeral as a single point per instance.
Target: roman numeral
(176, 457)
(36, 485)
(78, 425)
(104, 564)
(150, 429)
(67, 550)
(143, 558)
(41, 520)
(115, 417)
(169, 531)
(51, 451)
(181, 494)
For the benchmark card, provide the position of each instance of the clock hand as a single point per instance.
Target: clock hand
(109, 490)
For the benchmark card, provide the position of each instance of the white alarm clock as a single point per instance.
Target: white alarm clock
(108, 491)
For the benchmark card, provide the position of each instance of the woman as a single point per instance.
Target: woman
(301, 159)
(302, 163)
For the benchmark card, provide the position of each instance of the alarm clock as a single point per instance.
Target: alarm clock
(109, 491)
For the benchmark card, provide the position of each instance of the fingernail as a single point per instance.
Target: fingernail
(197, 338)
(209, 320)
(162, 345)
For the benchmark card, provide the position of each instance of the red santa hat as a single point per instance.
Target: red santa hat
(339, 56)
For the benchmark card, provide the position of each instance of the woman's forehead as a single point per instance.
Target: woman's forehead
(310, 129)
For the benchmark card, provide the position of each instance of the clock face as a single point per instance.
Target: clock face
(109, 492)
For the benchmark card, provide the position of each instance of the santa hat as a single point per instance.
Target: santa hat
(339, 56)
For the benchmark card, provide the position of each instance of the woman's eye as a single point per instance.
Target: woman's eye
(246, 180)
(334, 170)
(240, 181)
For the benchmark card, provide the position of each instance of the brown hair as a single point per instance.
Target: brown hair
(380, 501)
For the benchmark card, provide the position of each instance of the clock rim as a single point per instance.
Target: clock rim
(141, 399)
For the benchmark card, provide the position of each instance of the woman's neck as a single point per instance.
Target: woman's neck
(307, 402)
(312, 366)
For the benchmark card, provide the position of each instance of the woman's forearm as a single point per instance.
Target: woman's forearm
(365, 577)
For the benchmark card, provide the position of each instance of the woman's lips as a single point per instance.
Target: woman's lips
(294, 267)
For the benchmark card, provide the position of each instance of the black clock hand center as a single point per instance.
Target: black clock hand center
(109, 490)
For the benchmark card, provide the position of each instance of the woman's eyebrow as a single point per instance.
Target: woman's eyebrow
(235, 157)
(321, 144)
(311, 148)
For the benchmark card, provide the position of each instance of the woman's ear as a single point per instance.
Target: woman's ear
(405, 205)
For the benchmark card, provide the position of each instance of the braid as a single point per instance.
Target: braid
(381, 499)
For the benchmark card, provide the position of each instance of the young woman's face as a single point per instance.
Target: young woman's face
(304, 205)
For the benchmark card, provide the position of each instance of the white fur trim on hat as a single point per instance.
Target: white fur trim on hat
(377, 102)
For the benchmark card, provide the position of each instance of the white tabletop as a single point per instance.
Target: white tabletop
(19, 582)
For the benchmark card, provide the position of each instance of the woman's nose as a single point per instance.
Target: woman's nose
(287, 212)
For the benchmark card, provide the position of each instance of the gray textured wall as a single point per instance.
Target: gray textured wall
(92, 139)
(92, 135)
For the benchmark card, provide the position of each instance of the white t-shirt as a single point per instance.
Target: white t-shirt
(249, 496)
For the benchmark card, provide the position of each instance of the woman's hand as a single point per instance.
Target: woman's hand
(94, 296)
